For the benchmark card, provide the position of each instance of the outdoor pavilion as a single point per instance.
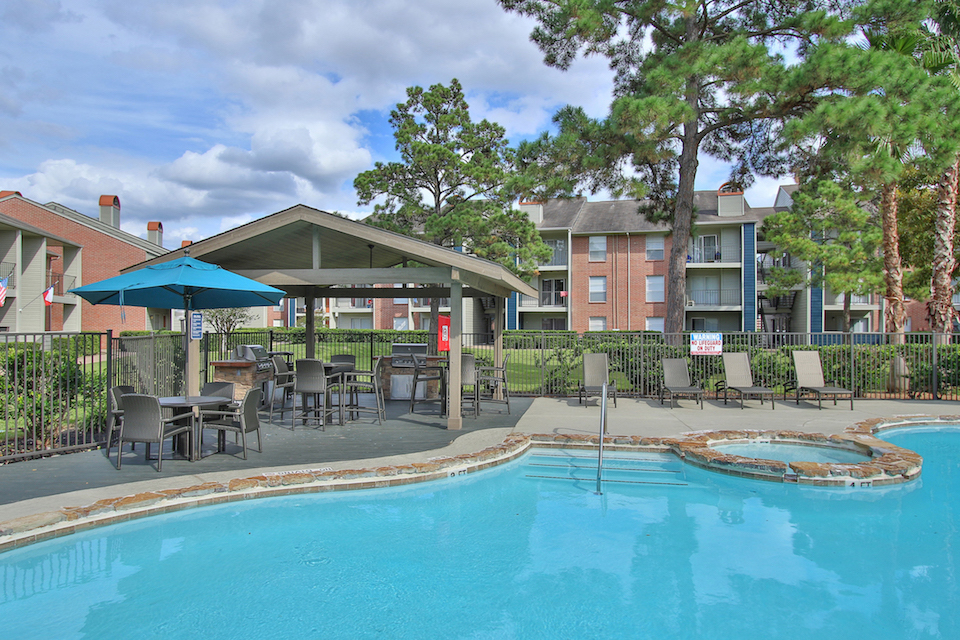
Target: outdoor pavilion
(313, 254)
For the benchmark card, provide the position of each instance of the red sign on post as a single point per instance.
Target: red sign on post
(443, 333)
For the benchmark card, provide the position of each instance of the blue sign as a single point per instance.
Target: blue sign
(196, 325)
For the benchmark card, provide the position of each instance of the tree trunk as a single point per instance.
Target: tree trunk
(941, 282)
(894, 312)
(683, 210)
(847, 301)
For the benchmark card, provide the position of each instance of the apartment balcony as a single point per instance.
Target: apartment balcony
(546, 302)
(60, 283)
(354, 304)
(714, 298)
(708, 256)
(835, 301)
(8, 270)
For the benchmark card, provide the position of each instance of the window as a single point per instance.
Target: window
(361, 323)
(655, 324)
(597, 324)
(553, 293)
(654, 288)
(705, 324)
(554, 324)
(707, 249)
(654, 247)
(598, 288)
(399, 300)
(598, 248)
(559, 257)
(401, 324)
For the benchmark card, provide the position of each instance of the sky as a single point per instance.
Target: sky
(204, 114)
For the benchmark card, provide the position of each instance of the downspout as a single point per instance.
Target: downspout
(629, 290)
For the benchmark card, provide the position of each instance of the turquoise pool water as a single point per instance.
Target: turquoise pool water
(787, 452)
(516, 553)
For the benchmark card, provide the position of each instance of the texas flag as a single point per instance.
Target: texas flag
(48, 296)
(3, 291)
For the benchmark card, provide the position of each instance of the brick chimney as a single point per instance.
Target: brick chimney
(155, 233)
(729, 200)
(110, 211)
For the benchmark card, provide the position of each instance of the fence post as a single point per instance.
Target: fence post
(109, 362)
(936, 376)
(853, 369)
(543, 365)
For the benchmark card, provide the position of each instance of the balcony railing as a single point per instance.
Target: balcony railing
(838, 298)
(8, 270)
(714, 297)
(707, 256)
(553, 300)
(60, 283)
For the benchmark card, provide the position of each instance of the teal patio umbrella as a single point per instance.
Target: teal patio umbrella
(185, 283)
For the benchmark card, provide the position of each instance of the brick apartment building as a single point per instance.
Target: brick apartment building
(104, 248)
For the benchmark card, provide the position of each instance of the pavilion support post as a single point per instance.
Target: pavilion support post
(193, 366)
(498, 318)
(311, 337)
(454, 418)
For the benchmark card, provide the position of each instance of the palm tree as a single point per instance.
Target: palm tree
(942, 55)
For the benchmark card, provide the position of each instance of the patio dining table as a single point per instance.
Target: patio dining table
(190, 402)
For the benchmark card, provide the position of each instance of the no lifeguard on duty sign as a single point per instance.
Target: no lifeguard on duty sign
(706, 344)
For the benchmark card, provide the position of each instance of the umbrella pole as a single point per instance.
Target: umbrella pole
(192, 382)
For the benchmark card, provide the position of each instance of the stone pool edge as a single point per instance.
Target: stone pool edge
(27, 530)
(893, 465)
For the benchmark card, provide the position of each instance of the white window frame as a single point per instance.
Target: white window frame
(596, 251)
(652, 250)
(596, 291)
(653, 294)
(655, 323)
(597, 323)
(401, 320)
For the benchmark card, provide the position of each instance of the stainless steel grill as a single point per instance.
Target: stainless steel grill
(402, 354)
(254, 353)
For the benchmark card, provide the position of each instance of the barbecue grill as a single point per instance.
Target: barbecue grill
(403, 352)
(254, 353)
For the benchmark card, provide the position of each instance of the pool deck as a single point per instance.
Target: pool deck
(39, 486)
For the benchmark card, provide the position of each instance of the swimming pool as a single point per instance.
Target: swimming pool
(501, 554)
(792, 452)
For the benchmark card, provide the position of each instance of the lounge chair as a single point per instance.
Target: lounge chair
(739, 378)
(810, 379)
(596, 372)
(676, 381)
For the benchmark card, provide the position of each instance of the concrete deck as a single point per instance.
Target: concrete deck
(43, 485)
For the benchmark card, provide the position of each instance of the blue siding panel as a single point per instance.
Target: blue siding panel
(749, 277)
(512, 311)
(816, 310)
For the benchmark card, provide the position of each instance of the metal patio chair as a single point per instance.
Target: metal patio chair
(810, 379)
(283, 381)
(596, 373)
(676, 381)
(312, 381)
(356, 382)
(143, 421)
(739, 378)
(242, 419)
(495, 379)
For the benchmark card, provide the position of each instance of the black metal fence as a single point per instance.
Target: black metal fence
(54, 384)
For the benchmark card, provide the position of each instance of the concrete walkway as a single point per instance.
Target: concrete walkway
(42, 485)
